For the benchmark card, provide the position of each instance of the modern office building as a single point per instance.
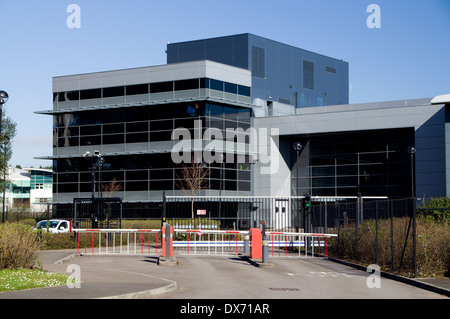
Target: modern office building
(270, 95)
(283, 77)
(28, 188)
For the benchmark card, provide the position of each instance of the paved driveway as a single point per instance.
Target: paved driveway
(219, 277)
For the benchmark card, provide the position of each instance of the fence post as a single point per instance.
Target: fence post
(414, 237)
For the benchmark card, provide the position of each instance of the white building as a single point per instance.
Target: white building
(28, 187)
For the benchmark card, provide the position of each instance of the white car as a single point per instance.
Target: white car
(54, 226)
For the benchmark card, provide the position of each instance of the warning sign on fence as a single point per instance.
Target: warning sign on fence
(201, 211)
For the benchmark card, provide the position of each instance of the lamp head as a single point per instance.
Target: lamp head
(3, 97)
(298, 146)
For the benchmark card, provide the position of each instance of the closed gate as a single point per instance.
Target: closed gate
(101, 213)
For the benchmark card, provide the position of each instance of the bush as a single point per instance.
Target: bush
(432, 245)
(438, 214)
(18, 246)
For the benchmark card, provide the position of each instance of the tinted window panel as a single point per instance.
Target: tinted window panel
(231, 88)
(243, 90)
(68, 96)
(137, 89)
(137, 127)
(137, 137)
(216, 85)
(114, 91)
(204, 83)
(113, 128)
(187, 84)
(113, 139)
(90, 140)
(90, 94)
(161, 87)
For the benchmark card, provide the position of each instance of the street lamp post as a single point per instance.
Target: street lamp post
(5, 170)
(298, 147)
(97, 161)
(3, 99)
(412, 152)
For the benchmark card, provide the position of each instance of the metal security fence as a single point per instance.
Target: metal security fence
(282, 213)
(97, 212)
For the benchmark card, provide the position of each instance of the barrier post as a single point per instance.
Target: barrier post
(265, 250)
(163, 240)
(167, 246)
(256, 238)
(246, 244)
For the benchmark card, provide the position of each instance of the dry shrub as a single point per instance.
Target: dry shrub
(397, 255)
(18, 246)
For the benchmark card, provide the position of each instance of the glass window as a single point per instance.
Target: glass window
(330, 69)
(113, 116)
(161, 87)
(215, 110)
(230, 113)
(161, 125)
(231, 88)
(191, 84)
(114, 91)
(90, 130)
(68, 96)
(137, 127)
(113, 128)
(90, 140)
(68, 188)
(90, 94)
(243, 115)
(136, 186)
(137, 175)
(161, 174)
(161, 185)
(204, 83)
(160, 136)
(243, 90)
(308, 75)
(137, 137)
(113, 139)
(216, 85)
(137, 89)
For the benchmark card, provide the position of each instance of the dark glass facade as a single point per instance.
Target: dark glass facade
(145, 124)
(372, 163)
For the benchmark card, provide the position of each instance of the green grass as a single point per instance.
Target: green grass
(19, 279)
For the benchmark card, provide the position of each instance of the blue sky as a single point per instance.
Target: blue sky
(408, 57)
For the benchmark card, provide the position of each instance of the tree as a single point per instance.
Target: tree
(193, 179)
(111, 188)
(6, 137)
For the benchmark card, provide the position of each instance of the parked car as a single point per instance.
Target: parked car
(54, 226)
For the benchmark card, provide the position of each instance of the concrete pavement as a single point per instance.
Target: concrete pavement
(209, 277)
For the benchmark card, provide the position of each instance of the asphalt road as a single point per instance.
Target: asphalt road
(215, 278)
(233, 277)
